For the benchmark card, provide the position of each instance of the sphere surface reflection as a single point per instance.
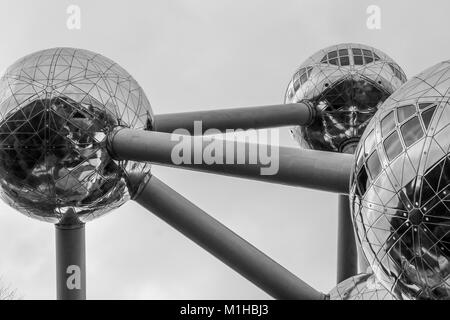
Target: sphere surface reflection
(346, 83)
(56, 108)
(400, 190)
(364, 286)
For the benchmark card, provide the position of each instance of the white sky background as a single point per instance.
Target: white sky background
(195, 55)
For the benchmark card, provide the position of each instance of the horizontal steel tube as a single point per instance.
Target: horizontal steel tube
(237, 118)
(223, 243)
(320, 170)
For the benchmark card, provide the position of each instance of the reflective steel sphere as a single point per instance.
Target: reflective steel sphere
(346, 83)
(364, 286)
(56, 108)
(400, 192)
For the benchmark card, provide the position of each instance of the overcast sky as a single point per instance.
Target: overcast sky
(191, 55)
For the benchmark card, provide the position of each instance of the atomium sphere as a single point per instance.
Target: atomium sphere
(56, 108)
(346, 83)
(364, 286)
(400, 192)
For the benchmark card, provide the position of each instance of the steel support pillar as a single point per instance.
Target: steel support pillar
(70, 262)
(347, 259)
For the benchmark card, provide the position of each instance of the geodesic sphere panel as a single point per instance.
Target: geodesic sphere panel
(400, 192)
(364, 286)
(56, 108)
(346, 83)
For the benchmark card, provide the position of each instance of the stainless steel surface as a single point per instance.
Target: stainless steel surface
(326, 171)
(302, 113)
(346, 83)
(364, 286)
(400, 188)
(363, 264)
(347, 254)
(70, 262)
(223, 243)
(56, 109)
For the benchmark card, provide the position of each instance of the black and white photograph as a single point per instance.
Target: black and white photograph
(224, 155)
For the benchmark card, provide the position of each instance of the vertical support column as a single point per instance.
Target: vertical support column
(347, 258)
(70, 262)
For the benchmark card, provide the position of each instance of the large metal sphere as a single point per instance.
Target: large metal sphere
(56, 108)
(400, 190)
(347, 83)
(364, 286)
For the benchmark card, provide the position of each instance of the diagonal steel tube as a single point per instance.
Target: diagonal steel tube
(221, 242)
(326, 171)
(302, 113)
